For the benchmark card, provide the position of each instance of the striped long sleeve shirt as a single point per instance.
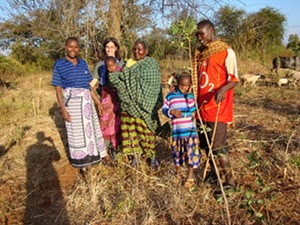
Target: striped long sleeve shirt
(184, 126)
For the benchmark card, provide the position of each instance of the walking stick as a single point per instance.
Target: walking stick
(212, 142)
(214, 162)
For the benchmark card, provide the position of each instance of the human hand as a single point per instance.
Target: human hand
(176, 113)
(220, 96)
(172, 88)
(100, 109)
(66, 116)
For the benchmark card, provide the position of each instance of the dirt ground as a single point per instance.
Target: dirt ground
(38, 186)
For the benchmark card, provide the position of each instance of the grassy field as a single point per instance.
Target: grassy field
(38, 186)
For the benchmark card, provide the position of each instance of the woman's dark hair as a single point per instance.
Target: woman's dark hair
(116, 43)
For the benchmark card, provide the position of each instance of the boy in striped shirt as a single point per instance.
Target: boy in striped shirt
(179, 105)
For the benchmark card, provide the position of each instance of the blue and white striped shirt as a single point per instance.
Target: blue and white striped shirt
(66, 75)
(184, 126)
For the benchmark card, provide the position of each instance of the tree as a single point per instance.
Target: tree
(259, 31)
(114, 18)
(294, 43)
(229, 22)
(183, 34)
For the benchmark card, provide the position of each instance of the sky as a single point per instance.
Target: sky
(289, 8)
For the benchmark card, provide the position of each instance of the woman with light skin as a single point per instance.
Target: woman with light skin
(139, 89)
(71, 78)
(110, 121)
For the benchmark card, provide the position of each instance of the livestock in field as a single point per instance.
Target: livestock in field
(282, 81)
(286, 62)
(251, 78)
(296, 78)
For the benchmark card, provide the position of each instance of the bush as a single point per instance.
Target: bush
(10, 69)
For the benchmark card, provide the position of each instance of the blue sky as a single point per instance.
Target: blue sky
(289, 8)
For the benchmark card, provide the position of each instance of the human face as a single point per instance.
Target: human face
(72, 49)
(139, 51)
(184, 85)
(111, 49)
(111, 66)
(205, 34)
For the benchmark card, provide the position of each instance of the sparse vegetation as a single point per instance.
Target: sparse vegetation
(36, 178)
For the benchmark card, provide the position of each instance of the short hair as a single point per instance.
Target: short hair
(184, 75)
(110, 58)
(204, 23)
(116, 43)
(71, 39)
(143, 42)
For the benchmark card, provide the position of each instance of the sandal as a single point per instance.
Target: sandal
(189, 183)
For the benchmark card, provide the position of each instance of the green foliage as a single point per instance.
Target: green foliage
(182, 32)
(159, 43)
(229, 23)
(27, 53)
(294, 44)
(10, 69)
(271, 24)
(259, 31)
(255, 159)
(296, 161)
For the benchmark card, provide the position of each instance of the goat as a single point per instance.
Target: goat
(296, 77)
(282, 81)
(250, 78)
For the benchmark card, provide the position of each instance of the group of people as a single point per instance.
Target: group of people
(130, 96)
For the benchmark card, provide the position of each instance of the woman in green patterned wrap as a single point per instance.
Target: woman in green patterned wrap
(139, 89)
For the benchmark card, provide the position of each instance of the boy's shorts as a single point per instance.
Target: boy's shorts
(220, 140)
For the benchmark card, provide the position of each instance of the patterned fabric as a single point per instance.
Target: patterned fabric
(86, 145)
(100, 71)
(139, 89)
(185, 140)
(186, 151)
(183, 127)
(66, 75)
(200, 55)
(136, 137)
(110, 121)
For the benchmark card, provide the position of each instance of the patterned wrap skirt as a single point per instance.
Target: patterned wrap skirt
(86, 144)
(136, 137)
(186, 151)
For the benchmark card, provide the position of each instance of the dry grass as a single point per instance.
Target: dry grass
(38, 186)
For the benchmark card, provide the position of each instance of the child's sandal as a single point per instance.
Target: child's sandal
(189, 183)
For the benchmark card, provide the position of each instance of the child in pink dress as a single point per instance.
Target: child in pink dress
(110, 120)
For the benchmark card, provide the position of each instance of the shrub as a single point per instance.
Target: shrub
(10, 69)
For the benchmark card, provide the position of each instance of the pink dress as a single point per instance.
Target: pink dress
(110, 121)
